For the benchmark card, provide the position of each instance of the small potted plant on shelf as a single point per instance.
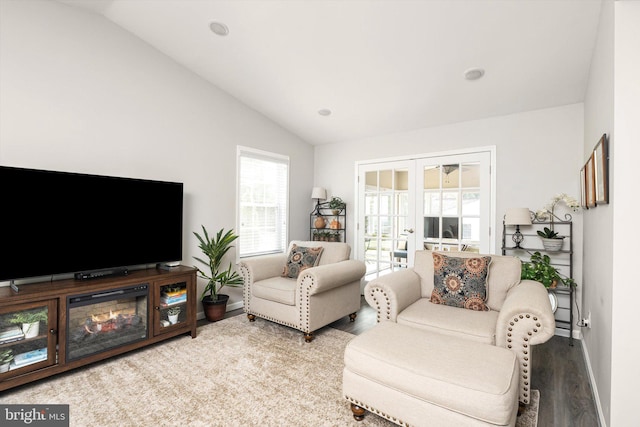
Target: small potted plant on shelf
(29, 320)
(213, 302)
(6, 356)
(550, 239)
(173, 313)
(336, 204)
(539, 268)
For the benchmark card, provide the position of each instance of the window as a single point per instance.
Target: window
(263, 198)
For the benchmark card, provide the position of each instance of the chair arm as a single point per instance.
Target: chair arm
(526, 316)
(324, 277)
(392, 293)
(262, 267)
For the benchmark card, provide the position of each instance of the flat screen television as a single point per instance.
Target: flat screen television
(55, 223)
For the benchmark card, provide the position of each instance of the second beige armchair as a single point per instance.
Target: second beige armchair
(305, 299)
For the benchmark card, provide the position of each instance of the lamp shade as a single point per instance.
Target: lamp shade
(319, 193)
(517, 216)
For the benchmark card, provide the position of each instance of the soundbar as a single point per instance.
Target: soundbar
(95, 274)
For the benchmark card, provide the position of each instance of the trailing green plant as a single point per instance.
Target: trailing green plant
(548, 233)
(539, 268)
(6, 356)
(29, 316)
(215, 249)
(336, 203)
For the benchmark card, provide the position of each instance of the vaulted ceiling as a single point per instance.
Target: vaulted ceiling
(379, 66)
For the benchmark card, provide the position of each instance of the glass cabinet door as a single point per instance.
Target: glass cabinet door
(28, 337)
(171, 306)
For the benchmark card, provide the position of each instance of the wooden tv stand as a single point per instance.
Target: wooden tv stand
(59, 344)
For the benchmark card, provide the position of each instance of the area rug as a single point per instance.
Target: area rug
(235, 373)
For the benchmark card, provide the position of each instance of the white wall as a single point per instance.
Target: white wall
(598, 222)
(625, 346)
(538, 155)
(78, 93)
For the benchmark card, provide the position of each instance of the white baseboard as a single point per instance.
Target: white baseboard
(594, 388)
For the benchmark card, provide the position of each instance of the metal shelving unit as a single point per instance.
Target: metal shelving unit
(561, 259)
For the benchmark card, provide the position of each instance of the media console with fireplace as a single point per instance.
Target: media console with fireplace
(77, 322)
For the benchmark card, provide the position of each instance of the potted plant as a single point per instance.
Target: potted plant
(6, 356)
(539, 268)
(336, 205)
(173, 313)
(213, 302)
(29, 320)
(550, 239)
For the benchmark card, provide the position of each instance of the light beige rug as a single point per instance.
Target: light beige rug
(235, 373)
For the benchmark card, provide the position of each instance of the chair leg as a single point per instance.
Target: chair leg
(352, 317)
(251, 317)
(358, 412)
(308, 336)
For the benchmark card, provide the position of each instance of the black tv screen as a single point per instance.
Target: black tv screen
(59, 222)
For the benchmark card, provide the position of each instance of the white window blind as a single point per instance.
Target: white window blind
(263, 197)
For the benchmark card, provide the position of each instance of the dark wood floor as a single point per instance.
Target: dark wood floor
(559, 372)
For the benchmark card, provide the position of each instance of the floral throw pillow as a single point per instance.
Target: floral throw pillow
(460, 282)
(300, 258)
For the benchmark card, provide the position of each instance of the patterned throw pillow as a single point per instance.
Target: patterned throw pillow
(460, 282)
(301, 258)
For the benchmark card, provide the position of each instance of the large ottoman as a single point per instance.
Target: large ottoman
(416, 377)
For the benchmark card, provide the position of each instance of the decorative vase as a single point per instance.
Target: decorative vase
(31, 330)
(319, 222)
(335, 225)
(173, 319)
(552, 244)
(214, 310)
(4, 367)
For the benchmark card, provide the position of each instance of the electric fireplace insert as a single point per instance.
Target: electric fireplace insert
(106, 320)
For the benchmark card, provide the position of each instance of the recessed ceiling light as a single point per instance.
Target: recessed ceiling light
(219, 28)
(474, 73)
(324, 112)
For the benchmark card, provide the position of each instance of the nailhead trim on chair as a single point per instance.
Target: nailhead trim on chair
(524, 354)
(247, 278)
(385, 299)
(305, 298)
(375, 411)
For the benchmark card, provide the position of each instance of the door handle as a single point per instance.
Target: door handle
(409, 230)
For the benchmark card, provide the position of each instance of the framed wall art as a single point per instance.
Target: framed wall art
(590, 182)
(583, 189)
(601, 170)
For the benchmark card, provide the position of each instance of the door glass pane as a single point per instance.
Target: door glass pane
(431, 178)
(402, 180)
(371, 181)
(402, 203)
(451, 176)
(386, 204)
(432, 203)
(386, 180)
(470, 175)
(471, 203)
(450, 228)
(471, 229)
(450, 203)
(370, 204)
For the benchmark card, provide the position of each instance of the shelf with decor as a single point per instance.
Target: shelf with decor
(526, 244)
(328, 222)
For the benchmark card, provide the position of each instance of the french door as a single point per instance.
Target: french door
(440, 203)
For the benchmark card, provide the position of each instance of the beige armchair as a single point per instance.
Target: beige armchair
(518, 313)
(320, 294)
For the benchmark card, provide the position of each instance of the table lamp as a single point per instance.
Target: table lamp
(517, 217)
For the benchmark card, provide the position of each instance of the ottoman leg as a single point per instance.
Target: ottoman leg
(358, 412)
(308, 336)
(251, 317)
(352, 317)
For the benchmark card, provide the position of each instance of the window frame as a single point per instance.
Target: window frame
(248, 152)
